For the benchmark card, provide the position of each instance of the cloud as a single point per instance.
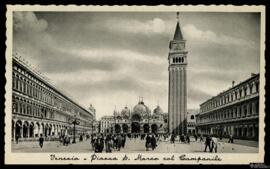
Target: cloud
(27, 21)
(154, 26)
(193, 33)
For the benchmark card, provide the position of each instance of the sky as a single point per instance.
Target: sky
(110, 59)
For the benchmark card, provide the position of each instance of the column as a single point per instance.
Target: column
(28, 131)
(237, 132)
(242, 110)
(21, 129)
(38, 129)
(248, 134)
(35, 129)
(13, 130)
(56, 132)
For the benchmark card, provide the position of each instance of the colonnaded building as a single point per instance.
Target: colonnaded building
(138, 121)
(39, 108)
(232, 112)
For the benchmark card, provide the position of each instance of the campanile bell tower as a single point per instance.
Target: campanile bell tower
(177, 82)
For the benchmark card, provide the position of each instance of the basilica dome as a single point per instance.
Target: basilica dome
(158, 111)
(141, 109)
(125, 113)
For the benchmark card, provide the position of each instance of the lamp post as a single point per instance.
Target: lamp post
(75, 122)
(148, 123)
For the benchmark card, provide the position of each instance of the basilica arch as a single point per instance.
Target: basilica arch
(135, 127)
(146, 128)
(117, 128)
(125, 128)
(154, 128)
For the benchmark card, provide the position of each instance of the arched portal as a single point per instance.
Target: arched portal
(25, 129)
(125, 128)
(117, 128)
(42, 129)
(154, 128)
(46, 130)
(50, 130)
(37, 129)
(146, 128)
(31, 129)
(18, 129)
(135, 127)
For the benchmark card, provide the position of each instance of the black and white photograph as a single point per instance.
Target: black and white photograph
(120, 81)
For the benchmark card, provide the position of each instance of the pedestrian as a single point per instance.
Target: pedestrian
(172, 138)
(153, 142)
(195, 136)
(214, 145)
(98, 146)
(230, 139)
(147, 142)
(108, 143)
(188, 139)
(119, 142)
(41, 140)
(17, 138)
(201, 138)
(182, 138)
(93, 141)
(81, 137)
(208, 143)
(123, 140)
(114, 141)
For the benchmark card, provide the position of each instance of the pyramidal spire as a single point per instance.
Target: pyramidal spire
(178, 34)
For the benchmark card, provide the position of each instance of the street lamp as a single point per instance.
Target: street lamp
(148, 122)
(75, 122)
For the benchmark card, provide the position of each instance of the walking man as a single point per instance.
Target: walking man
(41, 140)
(188, 139)
(17, 138)
(214, 144)
(153, 142)
(230, 139)
(201, 138)
(119, 142)
(123, 140)
(195, 136)
(208, 143)
(147, 142)
(172, 138)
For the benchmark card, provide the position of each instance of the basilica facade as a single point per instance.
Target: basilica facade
(139, 120)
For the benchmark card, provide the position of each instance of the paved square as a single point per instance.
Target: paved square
(137, 145)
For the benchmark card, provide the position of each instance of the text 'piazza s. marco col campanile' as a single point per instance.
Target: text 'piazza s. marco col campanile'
(177, 83)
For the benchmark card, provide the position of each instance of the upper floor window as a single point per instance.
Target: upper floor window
(250, 88)
(257, 86)
(245, 91)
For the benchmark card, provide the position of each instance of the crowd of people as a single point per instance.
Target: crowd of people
(109, 142)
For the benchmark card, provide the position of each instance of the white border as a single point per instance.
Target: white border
(44, 158)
